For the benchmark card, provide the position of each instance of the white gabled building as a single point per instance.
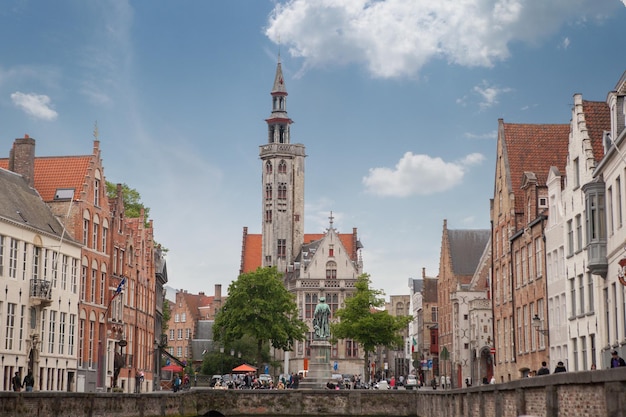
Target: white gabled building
(606, 230)
(39, 267)
(574, 330)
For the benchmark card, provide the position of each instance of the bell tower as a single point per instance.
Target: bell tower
(282, 182)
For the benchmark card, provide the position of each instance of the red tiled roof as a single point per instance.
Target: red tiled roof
(597, 119)
(534, 148)
(54, 172)
(252, 256)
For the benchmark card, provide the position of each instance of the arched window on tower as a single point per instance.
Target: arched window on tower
(268, 167)
(282, 191)
(331, 270)
(282, 167)
(268, 192)
(281, 138)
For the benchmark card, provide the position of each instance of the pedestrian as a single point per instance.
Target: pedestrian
(544, 369)
(559, 368)
(17, 382)
(29, 382)
(616, 360)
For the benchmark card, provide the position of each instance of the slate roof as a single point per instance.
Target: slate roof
(54, 172)
(597, 119)
(466, 249)
(22, 205)
(533, 148)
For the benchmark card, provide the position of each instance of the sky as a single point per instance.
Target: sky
(396, 101)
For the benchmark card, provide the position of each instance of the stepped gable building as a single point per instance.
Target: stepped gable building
(39, 267)
(314, 265)
(461, 253)
(525, 153)
(573, 283)
(114, 339)
(606, 232)
(190, 325)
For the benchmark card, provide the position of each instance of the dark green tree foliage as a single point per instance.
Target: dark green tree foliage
(362, 321)
(259, 305)
(132, 201)
(241, 351)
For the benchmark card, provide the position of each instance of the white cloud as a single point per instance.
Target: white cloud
(394, 38)
(490, 135)
(489, 94)
(418, 175)
(565, 43)
(37, 105)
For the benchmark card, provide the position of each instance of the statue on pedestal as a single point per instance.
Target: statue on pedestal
(321, 320)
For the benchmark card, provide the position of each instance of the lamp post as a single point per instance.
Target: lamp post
(537, 324)
(222, 360)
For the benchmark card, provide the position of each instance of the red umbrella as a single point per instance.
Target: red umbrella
(244, 368)
(173, 368)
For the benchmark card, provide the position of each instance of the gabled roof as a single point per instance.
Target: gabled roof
(597, 119)
(252, 255)
(466, 249)
(23, 205)
(54, 172)
(533, 148)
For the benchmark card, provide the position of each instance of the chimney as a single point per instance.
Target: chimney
(218, 292)
(22, 159)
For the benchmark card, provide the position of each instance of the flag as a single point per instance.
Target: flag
(413, 346)
(119, 288)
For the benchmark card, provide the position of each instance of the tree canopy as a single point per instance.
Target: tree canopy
(362, 321)
(259, 305)
(132, 201)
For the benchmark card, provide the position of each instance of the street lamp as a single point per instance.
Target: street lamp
(222, 360)
(537, 323)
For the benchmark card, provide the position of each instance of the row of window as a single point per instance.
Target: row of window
(282, 191)
(528, 269)
(179, 333)
(14, 263)
(282, 167)
(57, 329)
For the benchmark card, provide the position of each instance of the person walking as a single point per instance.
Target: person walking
(616, 360)
(544, 369)
(29, 382)
(17, 382)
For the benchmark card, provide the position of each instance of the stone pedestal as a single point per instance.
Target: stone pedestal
(319, 366)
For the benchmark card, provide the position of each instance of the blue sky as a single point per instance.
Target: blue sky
(396, 101)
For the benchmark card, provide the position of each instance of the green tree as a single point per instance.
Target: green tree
(259, 305)
(132, 201)
(238, 352)
(362, 321)
(167, 315)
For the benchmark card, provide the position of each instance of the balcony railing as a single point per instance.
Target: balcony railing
(40, 292)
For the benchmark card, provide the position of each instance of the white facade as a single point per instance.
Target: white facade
(39, 272)
(556, 322)
(612, 169)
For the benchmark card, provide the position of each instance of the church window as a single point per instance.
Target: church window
(352, 349)
(268, 191)
(310, 301)
(282, 191)
(268, 216)
(281, 133)
(332, 299)
(282, 248)
(268, 167)
(271, 134)
(282, 167)
(331, 270)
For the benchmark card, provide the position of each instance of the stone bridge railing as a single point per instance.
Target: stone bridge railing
(595, 393)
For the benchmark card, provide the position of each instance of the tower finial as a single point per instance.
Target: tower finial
(95, 130)
(331, 218)
(279, 49)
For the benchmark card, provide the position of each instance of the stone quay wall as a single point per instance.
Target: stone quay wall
(595, 393)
